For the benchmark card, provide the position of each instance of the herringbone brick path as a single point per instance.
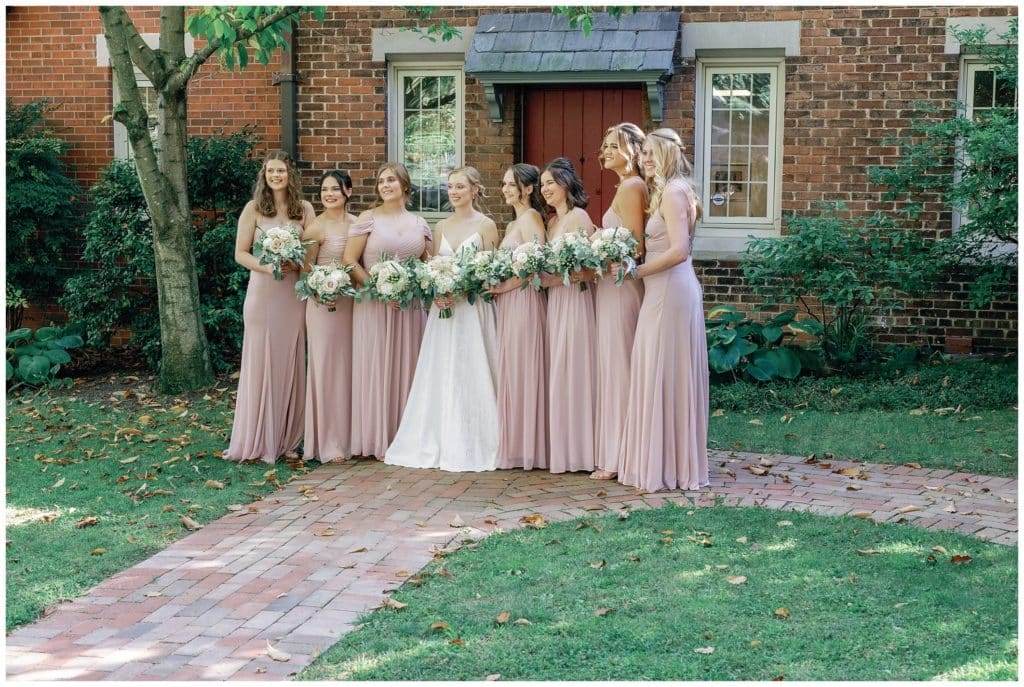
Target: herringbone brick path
(205, 607)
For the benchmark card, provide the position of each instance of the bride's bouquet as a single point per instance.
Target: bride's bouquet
(571, 252)
(616, 246)
(482, 269)
(437, 278)
(278, 246)
(392, 280)
(528, 260)
(326, 283)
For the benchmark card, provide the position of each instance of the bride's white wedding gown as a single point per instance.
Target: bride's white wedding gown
(451, 418)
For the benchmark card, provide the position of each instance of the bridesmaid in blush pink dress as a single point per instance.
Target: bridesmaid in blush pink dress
(664, 445)
(329, 332)
(386, 340)
(522, 340)
(271, 384)
(571, 327)
(617, 305)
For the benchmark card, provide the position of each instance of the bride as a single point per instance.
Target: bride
(451, 418)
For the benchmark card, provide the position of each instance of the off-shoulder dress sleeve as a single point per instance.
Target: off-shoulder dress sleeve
(361, 228)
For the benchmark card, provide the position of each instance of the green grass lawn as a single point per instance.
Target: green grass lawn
(984, 441)
(897, 611)
(135, 463)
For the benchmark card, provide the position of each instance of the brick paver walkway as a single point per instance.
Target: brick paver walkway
(204, 608)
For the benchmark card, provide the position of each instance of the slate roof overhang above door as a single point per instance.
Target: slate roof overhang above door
(539, 47)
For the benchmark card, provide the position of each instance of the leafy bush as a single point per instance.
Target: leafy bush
(42, 203)
(842, 272)
(121, 291)
(34, 358)
(762, 352)
(16, 303)
(971, 164)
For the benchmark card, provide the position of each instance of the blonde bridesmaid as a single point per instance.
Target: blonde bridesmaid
(571, 328)
(617, 306)
(664, 444)
(522, 340)
(271, 384)
(329, 332)
(386, 340)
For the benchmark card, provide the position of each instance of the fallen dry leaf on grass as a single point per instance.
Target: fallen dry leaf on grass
(87, 522)
(234, 507)
(782, 613)
(597, 565)
(439, 625)
(736, 579)
(98, 551)
(601, 612)
(277, 654)
(502, 617)
(704, 650)
(521, 621)
(58, 484)
(861, 514)
(189, 524)
(960, 559)
(493, 677)
(391, 603)
(535, 521)
(213, 484)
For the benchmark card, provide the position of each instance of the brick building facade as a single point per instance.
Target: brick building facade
(808, 95)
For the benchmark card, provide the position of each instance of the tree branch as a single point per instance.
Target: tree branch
(188, 68)
(141, 55)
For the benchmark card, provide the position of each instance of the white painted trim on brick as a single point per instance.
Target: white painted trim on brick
(736, 35)
(720, 247)
(996, 26)
(393, 44)
(152, 40)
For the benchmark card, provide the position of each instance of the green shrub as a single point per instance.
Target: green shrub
(762, 352)
(121, 291)
(43, 203)
(34, 358)
(842, 272)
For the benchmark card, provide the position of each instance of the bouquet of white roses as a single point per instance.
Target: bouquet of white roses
(616, 245)
(571, 252)
(278, 246)
(528, 260)
(482, 269)
(327, 283)
(392, 280)
(437, 278)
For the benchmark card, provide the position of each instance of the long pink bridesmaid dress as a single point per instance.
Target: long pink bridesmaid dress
(272, 380)
(329, 369)
(522, 377)
(664, 445)
(617, 308)
(571, 370)
(385, 341)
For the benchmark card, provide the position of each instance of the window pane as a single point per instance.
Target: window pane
(982, 89)
(412, 91)
(1006, 95)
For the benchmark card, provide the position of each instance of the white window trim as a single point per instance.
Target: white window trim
(398, 69)
(715, 237)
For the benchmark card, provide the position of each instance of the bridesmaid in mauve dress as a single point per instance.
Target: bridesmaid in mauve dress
(272, 381)
(522, 339)
(664, 445)
(329, 332)
(386, 340)
(571, 330)
(617, 306)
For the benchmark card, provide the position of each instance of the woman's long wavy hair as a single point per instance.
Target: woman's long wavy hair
(473, 175)
(669, 164)
(564, 174)
(528, 175)
(631, 141)
(263, 196)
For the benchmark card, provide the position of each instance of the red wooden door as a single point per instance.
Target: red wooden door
(570, 121)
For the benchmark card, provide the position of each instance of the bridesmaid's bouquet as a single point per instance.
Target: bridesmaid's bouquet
(437, 278)
(616, 245)
(571, 252)
(278, 246)
(327, 283)
(482, 269)
(392, 280)
(528, 261)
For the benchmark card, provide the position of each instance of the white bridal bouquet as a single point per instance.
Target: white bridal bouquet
(327, 283)
(616, 245)
(437, 278)
(571, 252)
(482, 269)
(392, 280)
(528, 261)
(278, 246)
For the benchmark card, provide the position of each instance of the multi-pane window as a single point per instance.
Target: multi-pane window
(738, 156)
(122, 146)
(426, 132)
(986, 90)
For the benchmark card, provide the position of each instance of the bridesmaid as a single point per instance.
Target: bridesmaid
(329, 333)
(386, 340)
(522, 344)
(571, 330)
(617, 306)
(271, 384)
(664, 444)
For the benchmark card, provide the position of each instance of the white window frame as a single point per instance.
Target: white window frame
(397, 71)
(728, 234)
